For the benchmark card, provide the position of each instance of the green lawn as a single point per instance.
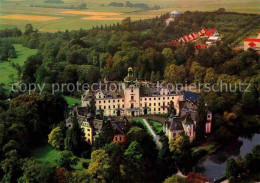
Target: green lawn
(8, 74)
(156, 125)
(71, 100)
(47, 153)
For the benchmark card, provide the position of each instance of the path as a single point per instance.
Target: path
(156, 138)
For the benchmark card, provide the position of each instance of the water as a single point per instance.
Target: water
(213, 166)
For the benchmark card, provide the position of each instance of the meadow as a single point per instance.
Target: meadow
(47, 153)
(19, 12)
(8, 74)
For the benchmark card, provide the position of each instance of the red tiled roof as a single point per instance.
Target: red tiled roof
(208, 33)
(252, 39)
(252, 44)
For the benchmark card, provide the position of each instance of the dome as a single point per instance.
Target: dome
(175, 13)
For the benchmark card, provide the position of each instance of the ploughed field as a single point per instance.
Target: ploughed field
(54, 17)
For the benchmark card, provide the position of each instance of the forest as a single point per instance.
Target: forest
(87, 56)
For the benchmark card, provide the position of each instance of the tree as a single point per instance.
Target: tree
(75, 138)
(135, 134)
(168, 55)
(171, 109)
(175, 179)
(67, 160)
(175, 74)
(232, 169)
(28, 29)
(56, 138)
(153, 77)
(198, 72)
(158, 76)
(99, 167)
(135, 165)
(166, 162)
(37, 172)
(106, 134)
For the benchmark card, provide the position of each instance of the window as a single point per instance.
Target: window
(114, 101)
(114, 106)
(123, 106)
(88, 134)
(108, 101)
(159, 109)
(154, 104)
(132, 97)
(109, 107)
(104, 101)
(150, 104)
(99, 107)
(163, 98)
(154, 98)
(123, 100)
(104, 107)
(159, 104)
(120, 138)
(118, 101)
(159, 98)
(168, 98)
(145, 99)
(172, 97)
(150, 98)
(100, 102)
(132, 105)
(88, 130)
(132, 91)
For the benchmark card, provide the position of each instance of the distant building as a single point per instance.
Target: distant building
(132, 100)
(174, 15)
(253, 43)
(213, 40)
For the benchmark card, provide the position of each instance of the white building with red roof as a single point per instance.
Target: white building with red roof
(253, 43)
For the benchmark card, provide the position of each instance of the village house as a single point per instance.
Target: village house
(253, 43)
(131, 99)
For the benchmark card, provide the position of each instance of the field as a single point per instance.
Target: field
(20, 12)
(8, 74)
(48, 154)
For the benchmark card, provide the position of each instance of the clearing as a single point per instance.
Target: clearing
(8, 74)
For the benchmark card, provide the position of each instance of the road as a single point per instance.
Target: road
(156, 138)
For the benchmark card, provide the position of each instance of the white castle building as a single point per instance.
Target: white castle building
(131, 99)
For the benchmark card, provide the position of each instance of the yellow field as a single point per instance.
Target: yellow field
(102, 18)
(94, 13)
(29, 17)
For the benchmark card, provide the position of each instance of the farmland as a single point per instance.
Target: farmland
(18, 13)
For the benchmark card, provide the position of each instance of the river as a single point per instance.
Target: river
(213, 166)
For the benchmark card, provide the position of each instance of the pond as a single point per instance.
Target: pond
(213, 166)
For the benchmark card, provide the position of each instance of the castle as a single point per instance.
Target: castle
(131, 99)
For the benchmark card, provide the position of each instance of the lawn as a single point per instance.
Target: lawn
(47, 153)
(156, 126)
(71, 100)
(8, 74)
